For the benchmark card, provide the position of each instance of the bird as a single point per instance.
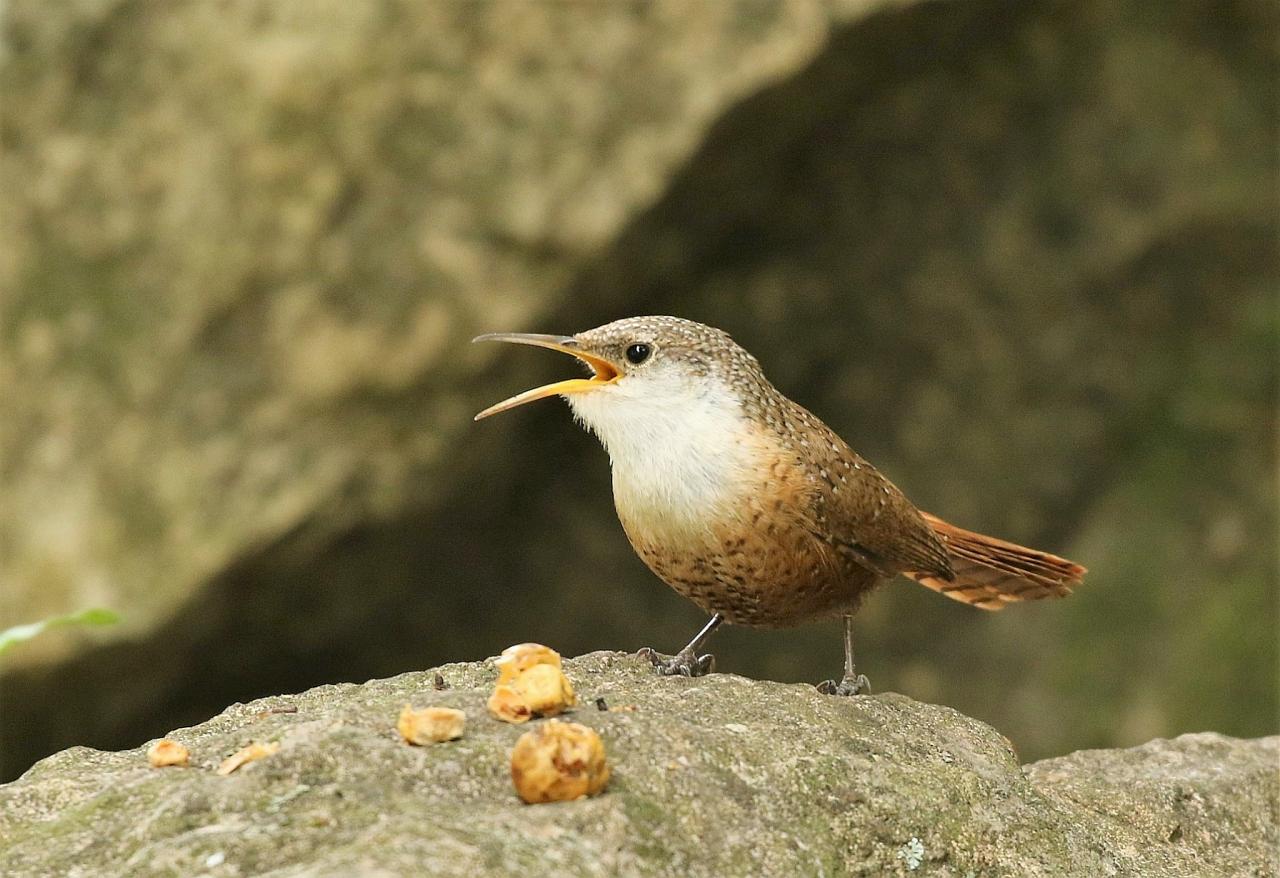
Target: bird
(747, 504)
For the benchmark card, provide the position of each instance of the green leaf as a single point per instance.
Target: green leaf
(19, 633)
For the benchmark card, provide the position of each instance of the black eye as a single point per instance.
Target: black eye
(638, 353)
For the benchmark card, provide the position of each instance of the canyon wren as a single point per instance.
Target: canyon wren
(751, 507)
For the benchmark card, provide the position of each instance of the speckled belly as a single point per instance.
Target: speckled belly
(757, 576)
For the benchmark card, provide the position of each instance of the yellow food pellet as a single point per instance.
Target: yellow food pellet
(164, 753)
(430, 725)
(545, 690)
(508, 705)
(519, 658)
(557, 762)
(530, 683)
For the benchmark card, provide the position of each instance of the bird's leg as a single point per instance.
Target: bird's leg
(687, 662)
(853, 683)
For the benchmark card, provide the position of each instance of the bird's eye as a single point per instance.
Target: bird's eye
(638, 353)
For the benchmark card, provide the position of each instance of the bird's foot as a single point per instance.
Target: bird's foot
(850, 685)
(685, 663)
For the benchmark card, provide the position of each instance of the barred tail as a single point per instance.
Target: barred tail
(990, 573)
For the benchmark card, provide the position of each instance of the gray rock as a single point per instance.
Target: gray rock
(715, 776)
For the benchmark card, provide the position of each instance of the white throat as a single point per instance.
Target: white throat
(679, 451)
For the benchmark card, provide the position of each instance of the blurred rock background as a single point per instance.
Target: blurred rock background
(1022, 255)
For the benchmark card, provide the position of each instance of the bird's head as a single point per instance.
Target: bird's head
(653, 378)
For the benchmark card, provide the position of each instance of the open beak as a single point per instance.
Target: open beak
(603, 371)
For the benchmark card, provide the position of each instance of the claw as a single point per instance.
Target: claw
(848, 686)
(682, 664)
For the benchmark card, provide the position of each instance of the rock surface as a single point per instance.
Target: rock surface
(715, 776)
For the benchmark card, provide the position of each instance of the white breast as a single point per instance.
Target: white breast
(680, 453)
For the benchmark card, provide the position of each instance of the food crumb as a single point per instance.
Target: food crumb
(243, 757)
(557, 762)
(530, 683)
(431, 725)
(165, 753)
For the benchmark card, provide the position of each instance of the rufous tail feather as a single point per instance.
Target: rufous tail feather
(990, 573)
